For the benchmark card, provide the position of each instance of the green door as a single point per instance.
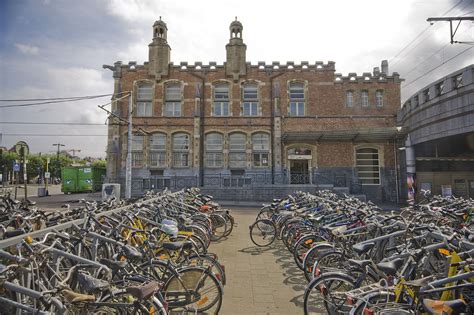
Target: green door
(84, 179)
(69, 179)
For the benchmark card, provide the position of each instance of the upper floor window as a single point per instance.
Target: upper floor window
(349, 98)
(214, 150)
(157, 156)
(416, 101)
(181, 150)
(297, 99)
(426, 95)
(364, 96)
(368, 166)
(221, 100)
(173, 100)
(379, 98)
(144, 106)
(250, 100)
(439, 88)
(260, 148)
(237, 146)
(457, 81)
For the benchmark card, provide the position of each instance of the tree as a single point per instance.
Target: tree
(99, 163)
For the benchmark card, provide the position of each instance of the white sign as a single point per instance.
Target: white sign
(25, 176)
(87, 170)
(299, 157)
(47, 174)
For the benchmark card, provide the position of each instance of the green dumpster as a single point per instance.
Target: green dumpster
(82, 179)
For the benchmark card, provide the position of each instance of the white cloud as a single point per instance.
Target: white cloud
(27, 49)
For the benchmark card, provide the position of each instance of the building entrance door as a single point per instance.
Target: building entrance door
(299, 173)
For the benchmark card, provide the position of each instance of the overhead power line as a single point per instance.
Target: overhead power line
(51, 123)
(433, 69)
(51, 135)
(53, 100)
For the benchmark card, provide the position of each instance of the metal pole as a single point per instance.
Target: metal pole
(47, 179)
(25, 173)
(128, 166)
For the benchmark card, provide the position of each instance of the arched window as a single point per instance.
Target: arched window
(250, 106)
(137, 151)
(379, 98)
(297, 99)
(237, 146)
(368, 166)
(214, 150)
(260, 149)
(364, 98)
(157, 157)
(144, 106)
(221, 100)
(181, 150)
(173, 100)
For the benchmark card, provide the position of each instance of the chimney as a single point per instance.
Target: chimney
(376, 71)
(385, 67)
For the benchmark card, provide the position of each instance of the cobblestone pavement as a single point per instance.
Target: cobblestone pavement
(259, 280)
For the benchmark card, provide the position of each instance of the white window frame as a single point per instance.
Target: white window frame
(365, 157)
(157, 150)
(364, 98)
(214, 149)
(379, 98)
(173, 100)
(250, 105)
(173, 109)
(297, 104)
(137, 151)
(237, 148)
(221, 100)
(144, 101)
(261, 149)
(180, 158)
(350, 98)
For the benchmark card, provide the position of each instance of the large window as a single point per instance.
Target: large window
(368, 166)
(260, 148)
(439, 88)
(157, 156)
(237, 146)
(173, 100)
(214, 148)
(180, 150)
(457, 81)
(221, 100)
(137, 151)
(144, 106)
(379, 98)
(297, 99)
(364, 95)
(250, 100)
(349, 98)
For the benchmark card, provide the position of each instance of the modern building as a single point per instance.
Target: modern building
(439, 125)
(253, 131)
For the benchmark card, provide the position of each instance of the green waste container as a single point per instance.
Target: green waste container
(82, 179)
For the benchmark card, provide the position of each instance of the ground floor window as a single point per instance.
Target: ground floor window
(214, 159)
(157, 159)
(260, 159)
(237, 160)
(180, 159)
(368, 166)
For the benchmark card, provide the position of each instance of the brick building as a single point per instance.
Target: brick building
(254, 131)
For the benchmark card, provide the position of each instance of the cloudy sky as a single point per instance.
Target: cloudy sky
(56, 48)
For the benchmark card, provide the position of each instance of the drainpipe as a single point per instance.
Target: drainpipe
(201, 129)
(272, 130)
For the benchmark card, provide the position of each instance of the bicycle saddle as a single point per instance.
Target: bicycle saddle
(113, 264)
(131, 253)
(143, 291)
(360, 263)
(72, 296)
(90, 284)
(435, 307)
(362, 248)
(177, 245)
(390, 267)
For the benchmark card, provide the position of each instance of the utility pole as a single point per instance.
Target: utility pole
(57, 157)
(128, 166)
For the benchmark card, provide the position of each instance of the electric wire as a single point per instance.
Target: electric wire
(50, 123)
(52, 135)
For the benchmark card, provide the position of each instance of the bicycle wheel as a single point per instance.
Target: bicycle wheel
(263, 232)
(326, 294)
(302, 246)
(311, 257)
(121, 302)
(219, 227)
(196, 289)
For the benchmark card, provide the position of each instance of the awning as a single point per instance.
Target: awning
(357, 135)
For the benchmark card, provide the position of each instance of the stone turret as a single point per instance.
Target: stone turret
(236, 62)
(159, 51)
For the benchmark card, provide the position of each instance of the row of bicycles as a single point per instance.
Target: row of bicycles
(359, 259)
(148, 257)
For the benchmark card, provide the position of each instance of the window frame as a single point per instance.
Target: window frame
(359, 157)
(221, 100)
(182, 152)
(364, 98)
(350, 103)
(250, 100)
(295, 102)
(161, 160)
(173, 99)
(144, 103)
(379, 98)
(137, 151)
(262, 151)
(237, 150)
(214, 149)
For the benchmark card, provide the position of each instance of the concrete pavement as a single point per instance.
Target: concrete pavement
(259, 280)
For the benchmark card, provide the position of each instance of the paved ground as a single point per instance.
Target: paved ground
(259, 280)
